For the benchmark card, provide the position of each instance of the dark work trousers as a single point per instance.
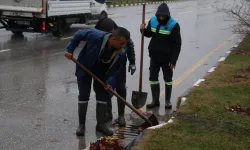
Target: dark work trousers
(84, 86)
(154, 69)
(121, 90)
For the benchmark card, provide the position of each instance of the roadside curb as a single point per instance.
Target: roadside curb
(183, 97)
(147, 3)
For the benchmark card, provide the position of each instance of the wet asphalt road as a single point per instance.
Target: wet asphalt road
(38, 90)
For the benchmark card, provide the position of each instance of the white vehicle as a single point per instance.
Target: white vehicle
(48, 16)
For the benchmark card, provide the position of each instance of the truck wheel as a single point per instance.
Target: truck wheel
(59, 32)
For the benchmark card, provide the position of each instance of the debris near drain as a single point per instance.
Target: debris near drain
(238, 109)
(248, 69)
(106, 143)
(240, 76)
(242, 52)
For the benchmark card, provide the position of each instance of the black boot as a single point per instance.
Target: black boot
(82, 110)
(109, 111)
(155, 89)
(168, 92)
(121, 109)
(102, 124)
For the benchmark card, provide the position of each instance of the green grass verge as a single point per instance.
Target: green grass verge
(203, 122)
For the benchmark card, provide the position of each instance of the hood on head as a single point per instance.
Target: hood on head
(163, 10)
(106, 25)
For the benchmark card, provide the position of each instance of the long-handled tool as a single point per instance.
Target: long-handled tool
(151, 121)
(139, 98)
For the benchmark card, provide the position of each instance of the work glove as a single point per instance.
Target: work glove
(132, 68)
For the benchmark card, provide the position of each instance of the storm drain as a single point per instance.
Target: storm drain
(130, 131)
(122, 139)
(127, 134)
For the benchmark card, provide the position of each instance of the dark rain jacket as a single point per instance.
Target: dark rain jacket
(91, 52)
(104, 25)
(165, 43)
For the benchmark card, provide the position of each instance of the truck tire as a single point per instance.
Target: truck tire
(60, 27)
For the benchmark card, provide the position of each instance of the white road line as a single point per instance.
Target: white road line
(183, 100)
(171, 120)
(221, 59)
(114, 14)
(235, 46)
(184, 12)
(66, 38)
(211, 70)
(207, 7)
(162, 124)
(5, 50)
(198, 82)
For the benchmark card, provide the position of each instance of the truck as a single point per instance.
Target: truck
(48, 16)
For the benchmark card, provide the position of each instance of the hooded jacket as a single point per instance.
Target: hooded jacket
(107, 24)
(164, 46)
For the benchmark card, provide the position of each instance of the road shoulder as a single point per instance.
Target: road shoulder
(216, 111)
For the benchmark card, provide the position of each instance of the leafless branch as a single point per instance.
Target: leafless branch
(240, 12)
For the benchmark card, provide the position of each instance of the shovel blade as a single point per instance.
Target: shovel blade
(138, 99)
(154, 121)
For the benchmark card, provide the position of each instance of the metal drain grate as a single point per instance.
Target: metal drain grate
(127, 134)
(122, 139)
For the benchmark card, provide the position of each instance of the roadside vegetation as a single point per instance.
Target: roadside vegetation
(216, 114)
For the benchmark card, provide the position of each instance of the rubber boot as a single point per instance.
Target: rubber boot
(109, 111)
(168, 92)
(102, 124)
(82, 110)
(121, 108)
(155, 90)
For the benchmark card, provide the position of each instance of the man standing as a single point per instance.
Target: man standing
(108, 25)
(164, 49)
(102, 54)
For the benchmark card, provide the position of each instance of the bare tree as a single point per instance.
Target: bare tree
(239, 11)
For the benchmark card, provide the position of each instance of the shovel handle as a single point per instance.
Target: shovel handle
(142, 48)
(110, 90)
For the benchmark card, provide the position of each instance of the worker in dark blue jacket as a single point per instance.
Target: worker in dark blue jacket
(164, 49)
(108, 25)
(102, 54)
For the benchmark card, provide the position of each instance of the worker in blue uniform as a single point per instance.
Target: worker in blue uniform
(103, 55)
(164, 49)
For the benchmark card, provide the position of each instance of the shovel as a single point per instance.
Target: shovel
(139, 98)
(152, 121)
